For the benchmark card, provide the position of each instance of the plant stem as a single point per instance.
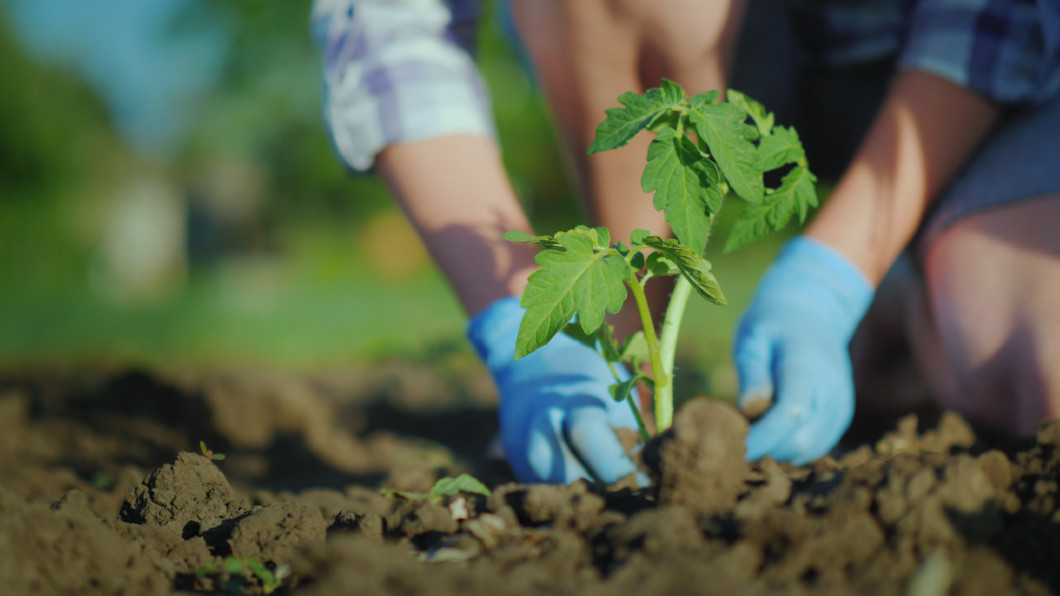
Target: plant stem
(644, 435)
(664, 395)
(633, 406)
(671, 326)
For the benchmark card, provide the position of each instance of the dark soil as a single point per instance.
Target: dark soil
(104, 491)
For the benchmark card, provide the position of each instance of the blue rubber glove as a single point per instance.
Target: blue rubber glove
(791, 347)
(556, 415)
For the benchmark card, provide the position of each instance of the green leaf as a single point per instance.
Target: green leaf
(634, 348)
(621, 390)
(636, 238)
(685, 184)
(573, 278)
(660, 266)
(233, 566)
(269, 583)
(576, 333)
(704, 98)
(671, 94)
(637, 261)
(609, 349)
(781, 148)
(523, 237)
(600, 238)
(763, 119)
(622, 124)
(692, 265)
(796, 194)
(724, 130)
(464, 483)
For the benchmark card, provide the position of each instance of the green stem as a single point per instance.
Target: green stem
(632, 406)
(644, 435)
(671, 326)
(664, 396)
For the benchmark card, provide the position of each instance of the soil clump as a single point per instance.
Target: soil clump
(103, 493)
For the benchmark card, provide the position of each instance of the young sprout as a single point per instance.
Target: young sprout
(209, 454)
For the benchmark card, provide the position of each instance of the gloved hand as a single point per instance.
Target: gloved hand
(791, 347)
(556, 415)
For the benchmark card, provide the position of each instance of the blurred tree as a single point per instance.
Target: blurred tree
(266, 108)
(51, 123)
(56, 148)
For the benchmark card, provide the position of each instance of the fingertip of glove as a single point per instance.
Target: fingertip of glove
(754, 406)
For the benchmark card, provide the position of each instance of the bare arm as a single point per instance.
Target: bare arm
(925, 130)
(455, 192)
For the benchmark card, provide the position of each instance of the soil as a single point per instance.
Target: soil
(104, 491)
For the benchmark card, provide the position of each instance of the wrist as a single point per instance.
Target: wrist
(817, 276)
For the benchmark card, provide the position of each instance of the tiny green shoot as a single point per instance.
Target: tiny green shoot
(444, 487)
(209, 453)
(236, 574)
(704, 150)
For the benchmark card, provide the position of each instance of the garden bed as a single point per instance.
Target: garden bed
(104, 491)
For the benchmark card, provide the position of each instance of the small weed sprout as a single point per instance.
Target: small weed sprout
(444, 487)
(209, 454)
(704, 150)
(236, 575)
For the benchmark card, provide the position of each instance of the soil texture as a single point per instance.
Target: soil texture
(105, 491)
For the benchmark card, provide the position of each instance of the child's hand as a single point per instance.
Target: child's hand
(791, 348)
(556, 415)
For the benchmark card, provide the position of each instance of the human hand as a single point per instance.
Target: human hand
(791, 348)
(557, 418)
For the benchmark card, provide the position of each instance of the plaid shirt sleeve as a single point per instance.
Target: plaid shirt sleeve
(398, 70)
(1008, 51)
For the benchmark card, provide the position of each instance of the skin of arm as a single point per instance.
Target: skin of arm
(456, 193)
(924, 131)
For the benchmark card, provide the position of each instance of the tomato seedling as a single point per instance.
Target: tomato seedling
(704, 150)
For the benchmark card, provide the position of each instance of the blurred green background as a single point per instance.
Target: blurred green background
(168, 195)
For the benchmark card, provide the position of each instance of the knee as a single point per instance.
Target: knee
(995, 304)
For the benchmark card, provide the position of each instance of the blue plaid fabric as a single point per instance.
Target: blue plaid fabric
(398, 70)
(1008, 51)
(403, 70)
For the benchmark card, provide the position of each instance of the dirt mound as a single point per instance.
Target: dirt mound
(189, 496)
(89, 505)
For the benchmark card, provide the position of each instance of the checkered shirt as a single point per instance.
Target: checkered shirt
(403, 70)
(1007, 51)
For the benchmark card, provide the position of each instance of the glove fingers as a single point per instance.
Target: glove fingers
(591, 436)
(753, 358)
(548, 457)
(822, 432)
(792, 411)
(807, 420)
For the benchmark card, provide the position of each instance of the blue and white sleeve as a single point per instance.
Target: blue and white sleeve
(1007, 51)
(397, 71)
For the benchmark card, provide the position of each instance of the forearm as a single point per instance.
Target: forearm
(925, 130)
(589, 52)
(455, 192)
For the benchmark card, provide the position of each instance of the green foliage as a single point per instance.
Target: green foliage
(723, 129)
(685, 185)
(235, 576)
(444, 487)
(796, 194)
(763, 120)
(580, 274)
(640, 111)
(702, 149)
(690, 264)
